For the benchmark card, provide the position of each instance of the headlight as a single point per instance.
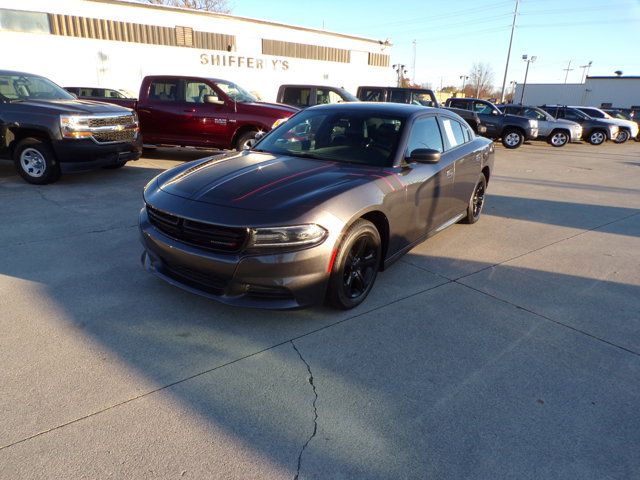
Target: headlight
(295, 236)
(279, 122)
(74, 126)
(533, 123)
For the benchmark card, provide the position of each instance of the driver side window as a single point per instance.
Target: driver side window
(425, 133)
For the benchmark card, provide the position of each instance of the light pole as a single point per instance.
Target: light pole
(464, 79)
(506, 67)
(400, 70)
(529, 60)
(585, 70)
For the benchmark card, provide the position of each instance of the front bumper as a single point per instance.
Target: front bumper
(275, 280)
(80, 155)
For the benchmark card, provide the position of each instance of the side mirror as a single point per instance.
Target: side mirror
(213, 99)
(425, 155)
(495, 112)
(259, 135)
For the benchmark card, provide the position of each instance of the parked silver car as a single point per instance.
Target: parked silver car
(557, 131)
(628, 128)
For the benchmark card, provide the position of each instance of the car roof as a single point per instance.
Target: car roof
(388, 108)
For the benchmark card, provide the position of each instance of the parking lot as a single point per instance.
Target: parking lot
(507, 349)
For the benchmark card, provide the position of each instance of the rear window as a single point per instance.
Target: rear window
(164, 90)
(372, 95)
(297, 96)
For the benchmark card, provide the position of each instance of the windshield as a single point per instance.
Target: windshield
(29, 87)
(341, 136)
(236, 92)
(620, 115)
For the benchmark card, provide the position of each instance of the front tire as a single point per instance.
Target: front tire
(623, 136)
(476, 202)
(597, 137)
(512, 138)
(35, 161)
(246, 140)
(356, 266)
(558, 138)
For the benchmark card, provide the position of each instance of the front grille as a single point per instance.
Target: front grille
(196, 279)
(269, 293)
(111, 121)
(121, 136)
(204, 235)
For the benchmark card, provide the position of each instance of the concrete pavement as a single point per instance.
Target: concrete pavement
(506, 349)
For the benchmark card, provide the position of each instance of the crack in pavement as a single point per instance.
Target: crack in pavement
(315, 410)
(217, 367)
(73, 235)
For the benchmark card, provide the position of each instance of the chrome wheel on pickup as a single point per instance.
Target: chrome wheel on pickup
(512, 138)
(35, 161)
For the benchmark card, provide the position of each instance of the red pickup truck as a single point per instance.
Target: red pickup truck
(200, 112)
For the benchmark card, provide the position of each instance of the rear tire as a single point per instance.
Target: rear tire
(512, 138)
(246, 140)
(597, 137)
(356, 266)
(623, 136)
(558, 138)
(35, 161)
(476, 202)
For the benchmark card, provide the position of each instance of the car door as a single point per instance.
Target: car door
(428, 185)
(205, 123)
(161, 112)
(466, 158)
(490, 117)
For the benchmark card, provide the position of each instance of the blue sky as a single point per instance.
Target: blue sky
(452, 35)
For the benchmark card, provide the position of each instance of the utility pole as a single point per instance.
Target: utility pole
(529, 60)
(400, 70)
(568, 69)
(585, 70)
(413, 79)
(506, 67)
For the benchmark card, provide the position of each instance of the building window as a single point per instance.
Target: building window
(19, 21)
(378, 60)
(184, 36)
(302, 50)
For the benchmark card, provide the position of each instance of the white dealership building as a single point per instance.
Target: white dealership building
(613, 91)
(114, 43)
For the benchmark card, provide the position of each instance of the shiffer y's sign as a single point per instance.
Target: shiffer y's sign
(238, 61)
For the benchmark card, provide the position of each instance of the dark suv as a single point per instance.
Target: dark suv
(303, 96)
(417, 96)
(594, 131)
(513, 130)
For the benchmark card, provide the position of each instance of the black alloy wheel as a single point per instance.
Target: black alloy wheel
(356, 266)
(246, 140)
(476, 202)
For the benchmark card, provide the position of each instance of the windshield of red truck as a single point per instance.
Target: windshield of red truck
(236, 92)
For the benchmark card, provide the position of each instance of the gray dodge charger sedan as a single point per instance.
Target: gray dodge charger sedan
(317, 207)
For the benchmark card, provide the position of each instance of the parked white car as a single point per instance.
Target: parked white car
(628, 128)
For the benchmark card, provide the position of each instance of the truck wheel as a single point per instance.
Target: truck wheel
(512, 138)
(597, 137)
(35, 161)
(355, 266)
(623, 136)
(558, 138)
(246, 140)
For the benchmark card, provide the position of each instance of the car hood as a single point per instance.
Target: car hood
(275, 110)
(262, 181)
(81, 107)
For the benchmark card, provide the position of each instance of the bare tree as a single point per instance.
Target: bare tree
(480, 80)
(220, 6)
